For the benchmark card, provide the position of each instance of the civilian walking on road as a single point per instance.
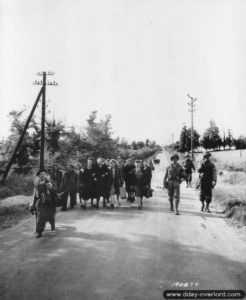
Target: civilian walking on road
(139, 183)
(148, 173)
(44, 202)
(173, 177)
(208, 179)
(88, 180)
(102, 173)
(70, 187)
(56, 177)
(116, 181)
(127, 174)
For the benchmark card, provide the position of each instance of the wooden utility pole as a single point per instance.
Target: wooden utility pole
(192, 110)
(43, 83)
(43, 123)
(42, 93)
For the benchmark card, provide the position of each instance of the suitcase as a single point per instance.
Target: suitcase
(122, 192)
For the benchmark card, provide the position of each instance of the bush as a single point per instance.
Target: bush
(17, 185)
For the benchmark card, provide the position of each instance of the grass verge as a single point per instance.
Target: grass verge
(10, 216)
(17, 185)
(230, 195)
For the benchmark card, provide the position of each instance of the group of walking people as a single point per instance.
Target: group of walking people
(109, 180)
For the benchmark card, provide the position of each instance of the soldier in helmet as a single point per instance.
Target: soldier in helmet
(173, 177)
(189, 168)
(208, 179)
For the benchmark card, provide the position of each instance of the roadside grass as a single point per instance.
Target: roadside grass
(231, 160)
(17, 185)
(14, 200)
(230, 195)
(10, 216)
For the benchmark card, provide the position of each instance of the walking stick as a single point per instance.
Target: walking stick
(36, 220)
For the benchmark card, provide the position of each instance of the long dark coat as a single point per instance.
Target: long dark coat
(88, 178)
(103, 177)
(127, 174)
(70, 182)
(207, 176)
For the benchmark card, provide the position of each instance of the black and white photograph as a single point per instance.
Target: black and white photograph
(122, 149)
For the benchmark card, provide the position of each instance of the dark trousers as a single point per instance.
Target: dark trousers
(73, 199)
(206, 192)
(189, 177)
(45, 214)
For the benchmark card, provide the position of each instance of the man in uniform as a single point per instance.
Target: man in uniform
(189, 168)
(172, 179)
(208, 179)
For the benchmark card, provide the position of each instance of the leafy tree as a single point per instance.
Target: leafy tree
(65, 146)
(140, 144)
(99, 135)
(134, 145)
(54, 130)
(185, 139)
(240, 143)
(223, 140)
(211, 137)
(229, 139)
(29, 144)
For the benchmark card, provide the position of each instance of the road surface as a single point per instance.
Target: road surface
(123, 253)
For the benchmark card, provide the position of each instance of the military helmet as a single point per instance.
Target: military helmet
(207, 154)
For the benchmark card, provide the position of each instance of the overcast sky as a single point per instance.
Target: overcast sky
(133, 59)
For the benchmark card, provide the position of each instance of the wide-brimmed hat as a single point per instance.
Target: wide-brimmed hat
(173, 156)
(40, 171)
(207, 154)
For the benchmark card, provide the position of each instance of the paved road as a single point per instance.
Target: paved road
(122, 254)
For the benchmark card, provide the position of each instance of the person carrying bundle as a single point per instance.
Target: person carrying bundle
(44, 202)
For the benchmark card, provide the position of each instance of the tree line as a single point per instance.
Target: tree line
(69, 145)
(211, 139)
